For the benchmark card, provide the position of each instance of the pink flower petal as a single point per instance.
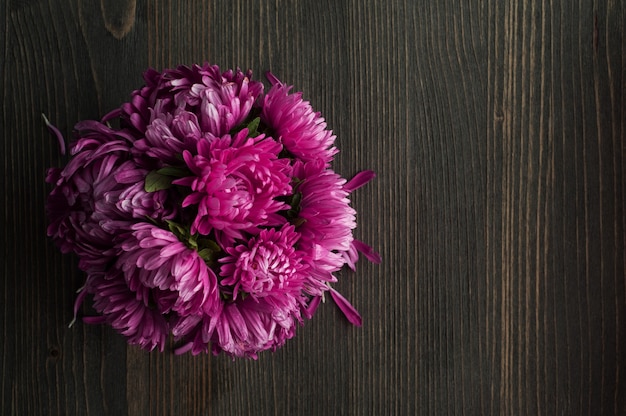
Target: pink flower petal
(309, 311)
(272, 78)
(94, 320)
(348, 310)
(367, 251)
(183, 348)
(359, 180)
(111, 115)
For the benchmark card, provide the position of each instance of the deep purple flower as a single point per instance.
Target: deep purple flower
(168, 135)
(220, 100)
(153, 258)
(126, 310)
(245, 327)
(236, 183)
(80, 207)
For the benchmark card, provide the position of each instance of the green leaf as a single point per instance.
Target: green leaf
(208, 250)
(253, 127)
(177, 229)
(296, 222)
(192, 242)
(156, 181)
(206, 254)
(295, 201)
(207, 243)
(174, 172)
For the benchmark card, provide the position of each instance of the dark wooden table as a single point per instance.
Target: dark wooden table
(497, 132)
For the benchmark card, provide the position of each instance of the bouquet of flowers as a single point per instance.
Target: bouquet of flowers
(209, 213)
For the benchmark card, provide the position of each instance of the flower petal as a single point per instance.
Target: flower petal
(56, 132)
(310, 309)
(359, 180)
(367, 251)
(272, 78)
(348, 310)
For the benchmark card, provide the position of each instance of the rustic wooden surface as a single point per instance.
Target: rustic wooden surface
(497, 131)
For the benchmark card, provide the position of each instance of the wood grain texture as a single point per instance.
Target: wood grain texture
(497, 132)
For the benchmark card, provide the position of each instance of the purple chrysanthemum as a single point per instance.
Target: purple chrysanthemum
(168, 135)
(245, 327)
(82, 207)
(235, 185)
(248, 327)
(326, 223)
(153, 259)
(263, 282)
(220, 100)
(211, 214)
(126, 310)
(296, 125)
(268, 265)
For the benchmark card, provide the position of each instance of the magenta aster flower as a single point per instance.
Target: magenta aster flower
(263, 283)
(168, 135)
(325, 220)
(137, 202)
(352, 255)
(154, 258)
(269, 265)
(80, 207)
(245, 327)
(326, 232)
(220, 101)
(212, 214)
(248, 327)
(236, 183)
(126, 310)
(296, 125)
(328, 218)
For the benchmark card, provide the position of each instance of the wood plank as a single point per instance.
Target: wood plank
(497, 133)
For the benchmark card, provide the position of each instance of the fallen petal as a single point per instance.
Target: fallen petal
(56, 132)
(348, 310)
(359, 180)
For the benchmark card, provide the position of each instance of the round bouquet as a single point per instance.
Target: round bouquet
(207, 211)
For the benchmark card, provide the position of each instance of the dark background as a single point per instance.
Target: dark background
(497, 132)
